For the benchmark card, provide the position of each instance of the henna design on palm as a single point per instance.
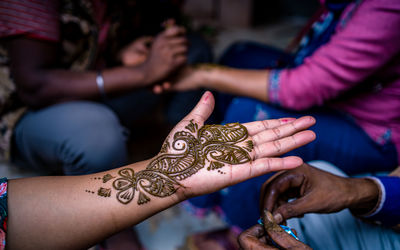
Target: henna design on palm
(214, 144)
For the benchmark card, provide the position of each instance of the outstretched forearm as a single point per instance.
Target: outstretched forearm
(251, 83)
(48, 86)
(73, 212)
(41, 83)
(240, 82)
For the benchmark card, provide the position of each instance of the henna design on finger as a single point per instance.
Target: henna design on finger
(189, 152)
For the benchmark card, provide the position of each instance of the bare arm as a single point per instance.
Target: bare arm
(41, 83)
(251, 83)
(73, 212)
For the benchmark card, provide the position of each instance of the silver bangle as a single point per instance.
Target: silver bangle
(100, 85)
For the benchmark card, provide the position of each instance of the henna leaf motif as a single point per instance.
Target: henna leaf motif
(249, 145)
(230, 133)
(107, 177)
(105, 192)
(215, 165)
(143, 198)
(192, 127)
(230, 154)
(126, 196)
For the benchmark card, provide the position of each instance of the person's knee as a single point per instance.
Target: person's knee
(243, 109)
(74, 137)
(232, 53)
(99, 143)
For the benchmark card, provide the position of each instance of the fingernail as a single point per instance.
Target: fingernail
(278, 218)
(269, 222)
(286, 120)
(269, 216)
(207, 96)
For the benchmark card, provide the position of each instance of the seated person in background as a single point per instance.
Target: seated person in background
(75, 212)
(345, 74)
(334, 200)
(65, 100)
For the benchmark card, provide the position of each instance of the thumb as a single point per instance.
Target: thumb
(145, 43)
(203, 109)
(296, 208)
(279, 236)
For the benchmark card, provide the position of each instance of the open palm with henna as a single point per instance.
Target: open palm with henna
(196, 159)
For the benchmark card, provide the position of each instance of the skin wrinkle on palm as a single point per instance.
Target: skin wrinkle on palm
(191, 150)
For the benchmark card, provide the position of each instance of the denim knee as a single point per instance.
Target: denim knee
(77, 137)
(98, 144)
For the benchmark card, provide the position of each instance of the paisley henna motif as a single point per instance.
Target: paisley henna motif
(185, 156)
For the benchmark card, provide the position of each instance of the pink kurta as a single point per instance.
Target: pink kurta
(357, 71)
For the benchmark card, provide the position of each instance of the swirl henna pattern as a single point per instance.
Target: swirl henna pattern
(189, 152)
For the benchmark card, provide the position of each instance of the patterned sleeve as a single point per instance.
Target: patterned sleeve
(3, 212)
(274, 86)
(35, 19)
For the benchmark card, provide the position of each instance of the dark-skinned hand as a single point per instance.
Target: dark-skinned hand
(258, 237)
(315, 191)
(167, 53)
(136, 52)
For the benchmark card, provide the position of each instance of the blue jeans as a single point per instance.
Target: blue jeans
(73, 138)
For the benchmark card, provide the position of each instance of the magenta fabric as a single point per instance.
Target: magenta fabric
(357, 71)
(34, 19)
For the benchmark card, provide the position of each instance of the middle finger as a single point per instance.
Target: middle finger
(284, 145)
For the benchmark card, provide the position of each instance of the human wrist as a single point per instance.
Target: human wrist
(203, 79)
(366, 195)
(100, 85)
(386, 211)
(207, 75)
(148, 75)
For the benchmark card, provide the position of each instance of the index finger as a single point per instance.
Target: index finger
(279, 236)
(250, 239)
(174, 31)
(278, 186)
(264, 186)
(284, 130)
(260, 126)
